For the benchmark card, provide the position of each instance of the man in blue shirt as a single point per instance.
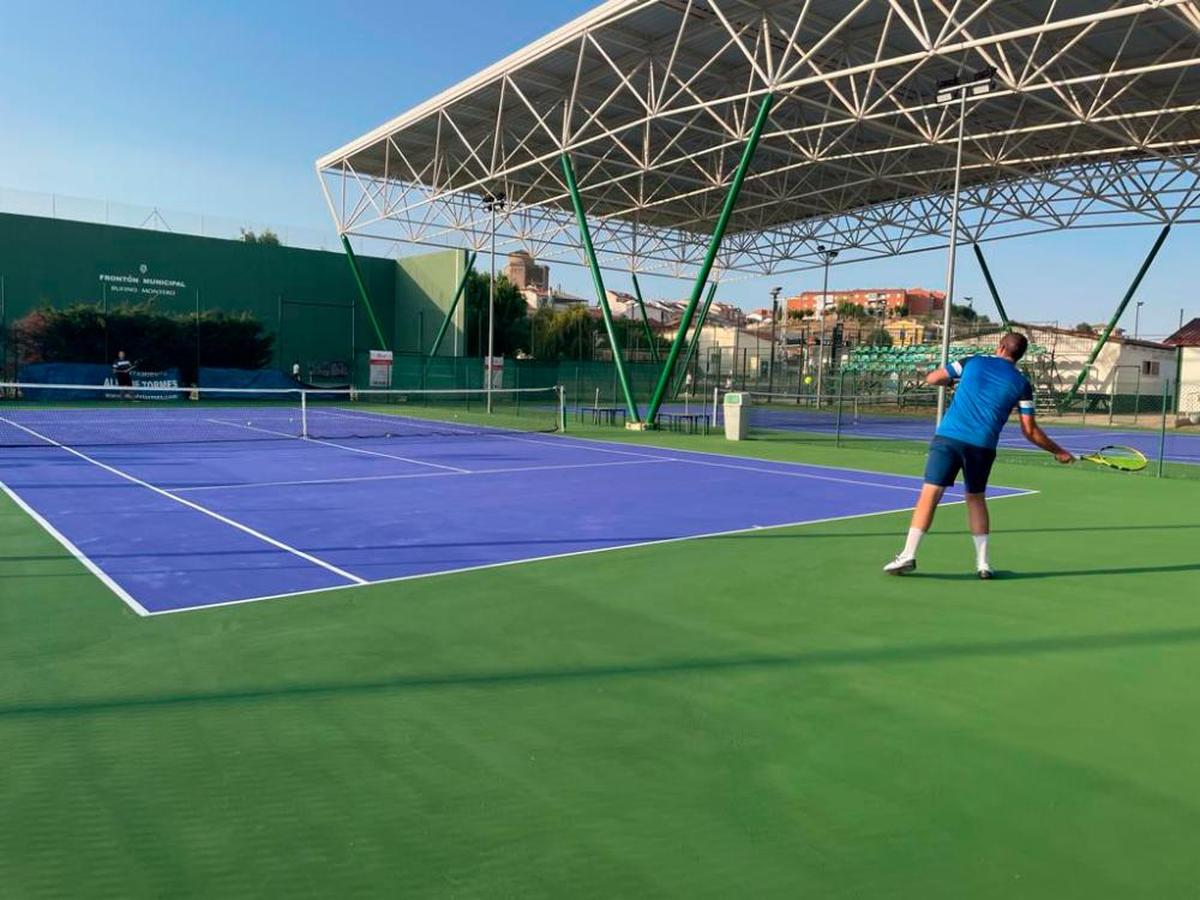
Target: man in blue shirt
(989, 387)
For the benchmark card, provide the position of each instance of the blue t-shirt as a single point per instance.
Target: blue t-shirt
(989, 387)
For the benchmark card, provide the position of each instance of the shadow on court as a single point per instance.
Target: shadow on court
(914, 654)
(892, 532)
(1001, 574)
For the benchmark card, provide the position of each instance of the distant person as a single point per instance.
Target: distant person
(123, 370)
(296, 370)
(989, 388)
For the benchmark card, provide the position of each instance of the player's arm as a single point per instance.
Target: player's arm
(1033, 431)
(947, 375)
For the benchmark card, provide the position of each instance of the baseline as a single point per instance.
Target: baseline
(233, 523)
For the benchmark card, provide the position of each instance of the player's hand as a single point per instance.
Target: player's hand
(1065, 457)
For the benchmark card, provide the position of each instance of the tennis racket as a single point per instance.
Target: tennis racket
(1114, 456)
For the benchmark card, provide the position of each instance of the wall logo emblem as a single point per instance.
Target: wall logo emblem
(141, 284)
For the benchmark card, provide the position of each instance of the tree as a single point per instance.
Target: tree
(848, 310)
(511, 328)
(266, 237)
(157, 340)
(963, 312)
(1085, 328)
(563, 334)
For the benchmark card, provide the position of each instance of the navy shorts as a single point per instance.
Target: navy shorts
(948, 457)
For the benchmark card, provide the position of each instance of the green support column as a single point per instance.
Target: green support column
(585, 235)
(1112, 323)
(987, 276)
(695, 341)
(637, 292)
(710, 257)
(362, 292)
(458, 292)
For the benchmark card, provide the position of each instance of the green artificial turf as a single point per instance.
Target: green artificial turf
(758, 715)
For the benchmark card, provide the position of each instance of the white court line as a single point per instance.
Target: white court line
(308, 557)
(310, 440)
(730, 465)
(589, 552)
(574, 442)
(358, 478)
(76, 552)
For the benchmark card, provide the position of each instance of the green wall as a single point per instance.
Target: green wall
(307, 298)
(425, 287)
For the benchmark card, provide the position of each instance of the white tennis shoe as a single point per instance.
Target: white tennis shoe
(901, 565)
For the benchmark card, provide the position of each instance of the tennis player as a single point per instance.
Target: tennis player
(988, 389)
(123, 370)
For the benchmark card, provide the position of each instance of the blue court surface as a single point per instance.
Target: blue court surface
(180, 526)
(1178, 446)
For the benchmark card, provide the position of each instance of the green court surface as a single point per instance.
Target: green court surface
(757, 715)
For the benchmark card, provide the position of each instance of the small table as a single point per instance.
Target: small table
(600, 415)
(692, 423)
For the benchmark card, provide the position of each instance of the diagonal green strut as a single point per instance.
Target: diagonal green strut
(585, 235)
(991, 285)
(637, 293)
(462, 283)
(695, 342)
(1116, 316)
(362, 292)
(710, 257)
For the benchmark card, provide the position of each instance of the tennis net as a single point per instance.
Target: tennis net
(75, 416)
(878, 416)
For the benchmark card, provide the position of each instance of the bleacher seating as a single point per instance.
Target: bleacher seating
(914, 357)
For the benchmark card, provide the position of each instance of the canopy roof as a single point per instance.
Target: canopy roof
(1094, 120)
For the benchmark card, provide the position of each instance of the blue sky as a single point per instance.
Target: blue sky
(222, 107)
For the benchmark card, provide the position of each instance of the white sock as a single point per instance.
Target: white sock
(911, 544)
(981, 559)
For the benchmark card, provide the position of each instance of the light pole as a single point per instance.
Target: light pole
(493, 203)
(827, 257)
(1137, 318)
(950, 91)
(775, 292)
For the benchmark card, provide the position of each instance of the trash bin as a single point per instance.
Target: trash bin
(737, 416)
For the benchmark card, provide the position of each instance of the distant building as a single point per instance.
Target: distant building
(1187, 343)
(908, 331)
(1125, 365)
(525, 274)
(625, 306)
(882, 302)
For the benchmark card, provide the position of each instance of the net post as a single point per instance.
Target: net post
(1162, 429)
(716, 393)
(837, 428)
(303, 414)
(562, 408)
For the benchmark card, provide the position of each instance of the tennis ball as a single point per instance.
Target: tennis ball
(808, 379)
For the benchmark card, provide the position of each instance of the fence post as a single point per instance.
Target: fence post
(1162, 429)
(1137, 395)
(837, 428)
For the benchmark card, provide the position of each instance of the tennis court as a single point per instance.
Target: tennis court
(217, 500)
(861, 419)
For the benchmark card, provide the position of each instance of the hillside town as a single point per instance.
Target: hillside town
(812, 331)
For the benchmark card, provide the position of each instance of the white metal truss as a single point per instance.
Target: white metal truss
(1095, 122)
